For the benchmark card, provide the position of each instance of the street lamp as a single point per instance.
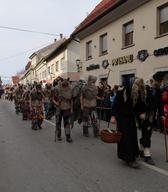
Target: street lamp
(79, 65)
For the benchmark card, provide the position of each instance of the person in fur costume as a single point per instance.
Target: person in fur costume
(88, 106)
(47, 101)
(65, 104)
(36, 103)
(26, 104)
(18, 98)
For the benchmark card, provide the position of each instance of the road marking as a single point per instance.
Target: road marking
(154, 168)
(51, 123)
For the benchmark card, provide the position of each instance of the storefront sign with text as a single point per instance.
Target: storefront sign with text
(123, 60)
(93, 67)
(161, 51)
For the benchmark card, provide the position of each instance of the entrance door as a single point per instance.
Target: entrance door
(161, 75)
(165, 76)
(126, 79)
(104, 80)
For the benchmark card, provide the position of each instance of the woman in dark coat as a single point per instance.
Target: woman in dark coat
(124, 111)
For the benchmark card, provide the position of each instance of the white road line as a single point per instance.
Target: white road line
(51, 123)
(154, 168)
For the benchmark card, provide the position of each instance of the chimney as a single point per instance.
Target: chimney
(55, 40)
(61, 35)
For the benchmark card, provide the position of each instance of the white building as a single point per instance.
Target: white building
(39, 67)
(57, 59)
(62, 61)
(129, 37)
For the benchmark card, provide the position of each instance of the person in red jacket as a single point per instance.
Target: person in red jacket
(165, 103)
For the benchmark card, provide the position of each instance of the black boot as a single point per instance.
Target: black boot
(85, 131)
(68, 139)
(133, 164)
(95, 131)
(149, 160)
(59, 135)
(141, 154)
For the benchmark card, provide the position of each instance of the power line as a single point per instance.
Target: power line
(29, 31)
(21, 53)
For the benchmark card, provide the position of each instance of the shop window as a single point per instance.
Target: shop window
(104, 81)
(103, 44)
(163, 19)
(128, 34)
(127, 79)
(89, 50)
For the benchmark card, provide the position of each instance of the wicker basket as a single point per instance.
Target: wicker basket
(110, 136)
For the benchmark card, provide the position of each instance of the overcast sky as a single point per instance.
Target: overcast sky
(52, 16)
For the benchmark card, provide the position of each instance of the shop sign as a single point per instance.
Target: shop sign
(105, 64)
(142, 55)
(93, 67)
(123, 60)
(161, 51)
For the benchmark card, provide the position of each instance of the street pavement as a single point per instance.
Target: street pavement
(30, 161)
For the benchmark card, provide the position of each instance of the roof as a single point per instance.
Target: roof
(97, 12)
(28, 65)
(44, 52)
(60, 47)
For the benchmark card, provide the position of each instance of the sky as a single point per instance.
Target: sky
(51, 16)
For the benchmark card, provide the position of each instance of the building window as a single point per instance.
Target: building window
(57, 66)
(128, 34)
(49, 71)
(89, 50)
(103, 44)
(62, 63)
(163, 19)
(52, 68)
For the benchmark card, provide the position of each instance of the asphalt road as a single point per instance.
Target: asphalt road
(30, 161)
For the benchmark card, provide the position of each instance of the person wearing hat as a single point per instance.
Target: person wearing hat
(154, 106)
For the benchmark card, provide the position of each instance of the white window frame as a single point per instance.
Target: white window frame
(130, 32)
(88, 50)
(159, 9)
(103, 45)
(57, 66)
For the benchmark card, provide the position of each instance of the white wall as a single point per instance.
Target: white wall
(73, 54)
(145, 15)
(62, 60)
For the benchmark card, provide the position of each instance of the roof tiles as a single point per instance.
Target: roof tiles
(103, 6)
